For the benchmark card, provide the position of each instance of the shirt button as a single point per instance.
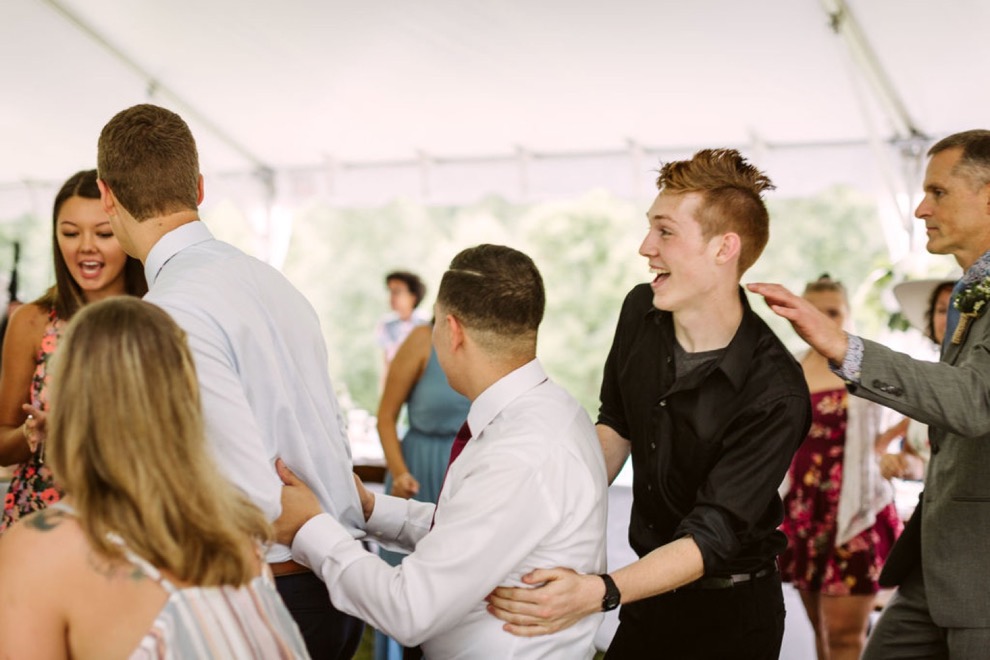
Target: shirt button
(649, 487)
(669, 359)
(663, 403)
(653, 445)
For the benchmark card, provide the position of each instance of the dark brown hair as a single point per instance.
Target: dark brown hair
(412, 282)
(947, 285)
(147, 156)
(496, 290)
(66, 297)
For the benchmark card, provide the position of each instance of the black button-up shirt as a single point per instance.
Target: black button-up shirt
(709, 449)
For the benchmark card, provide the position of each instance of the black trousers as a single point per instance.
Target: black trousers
(329, 634)
(743, 622)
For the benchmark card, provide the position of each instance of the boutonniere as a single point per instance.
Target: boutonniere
(971, 303)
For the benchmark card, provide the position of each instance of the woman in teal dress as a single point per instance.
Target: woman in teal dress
(417, 465)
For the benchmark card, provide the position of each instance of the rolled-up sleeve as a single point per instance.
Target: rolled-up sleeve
(731, 509)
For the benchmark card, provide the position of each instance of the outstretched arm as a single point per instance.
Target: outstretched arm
(616, 450)
(821, 333)
(567, 597)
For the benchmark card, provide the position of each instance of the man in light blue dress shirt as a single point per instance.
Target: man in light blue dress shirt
(260, 355)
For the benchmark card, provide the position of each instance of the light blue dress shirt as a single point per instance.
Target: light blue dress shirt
(263, 373)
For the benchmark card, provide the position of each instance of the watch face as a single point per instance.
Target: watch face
(612, 595)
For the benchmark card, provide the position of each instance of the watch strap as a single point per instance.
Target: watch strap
(612, 596)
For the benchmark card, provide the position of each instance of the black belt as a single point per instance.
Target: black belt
(729, 581)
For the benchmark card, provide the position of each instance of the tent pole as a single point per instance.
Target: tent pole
(844, 24)
(156, 87)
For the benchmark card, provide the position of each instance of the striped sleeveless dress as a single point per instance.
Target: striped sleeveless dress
(199, 623)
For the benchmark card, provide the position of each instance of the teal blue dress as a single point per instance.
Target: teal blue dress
(435, 414)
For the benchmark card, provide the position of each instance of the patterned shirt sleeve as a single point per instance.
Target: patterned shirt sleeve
(851, 368)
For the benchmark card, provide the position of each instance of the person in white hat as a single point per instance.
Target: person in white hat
(925, 305)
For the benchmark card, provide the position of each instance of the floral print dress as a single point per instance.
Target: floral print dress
(812, 562)
(32, 486)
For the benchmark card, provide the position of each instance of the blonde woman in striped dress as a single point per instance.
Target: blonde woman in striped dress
(152, 554)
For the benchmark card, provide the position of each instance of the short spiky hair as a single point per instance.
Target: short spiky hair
(975, 160)
(147, 156)
(732, 189)
(497, 293)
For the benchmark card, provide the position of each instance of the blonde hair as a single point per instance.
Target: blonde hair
(126, 441)
(732, 190)
(825, 284)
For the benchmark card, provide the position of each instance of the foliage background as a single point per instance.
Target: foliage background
(586, 248)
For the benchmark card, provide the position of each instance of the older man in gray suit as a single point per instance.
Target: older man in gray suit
(941, 562)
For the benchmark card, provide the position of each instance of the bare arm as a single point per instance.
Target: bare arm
(884, 439)
(405, 371)
(20, 345)
(567, 597)
(616, 450)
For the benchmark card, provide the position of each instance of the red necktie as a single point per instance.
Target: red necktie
(463, 435)
(462, 439)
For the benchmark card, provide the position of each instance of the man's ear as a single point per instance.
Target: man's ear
(107, 199)
(729, 248)
(456, 329)
(200, 191)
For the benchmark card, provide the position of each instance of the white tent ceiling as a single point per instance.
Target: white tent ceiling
(307, 84)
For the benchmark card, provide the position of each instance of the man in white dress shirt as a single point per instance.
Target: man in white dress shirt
(528, 487)
(260, 355)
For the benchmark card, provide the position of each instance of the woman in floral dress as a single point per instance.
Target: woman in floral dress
(89, 265)
(839, 515)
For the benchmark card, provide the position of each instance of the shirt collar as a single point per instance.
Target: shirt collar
(737, 362)
(979, 271)
(503, 392)
(738, 357)
(171, 244)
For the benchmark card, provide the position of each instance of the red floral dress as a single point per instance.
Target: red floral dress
(32, 486)
(812, 562)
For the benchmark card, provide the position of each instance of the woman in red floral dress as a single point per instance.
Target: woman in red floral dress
(839, 515)
(89, 265)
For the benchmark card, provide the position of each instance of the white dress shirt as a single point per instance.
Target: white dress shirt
(527, 492)
(262, 366)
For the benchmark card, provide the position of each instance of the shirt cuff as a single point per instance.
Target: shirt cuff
(851, 369)
(315, 539)
(388, 517)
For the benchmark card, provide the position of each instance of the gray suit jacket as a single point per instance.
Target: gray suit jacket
(953, 398)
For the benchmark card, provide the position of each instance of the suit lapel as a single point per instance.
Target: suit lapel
(951, 352)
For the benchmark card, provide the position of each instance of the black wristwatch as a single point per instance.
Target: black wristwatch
(612, 595)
